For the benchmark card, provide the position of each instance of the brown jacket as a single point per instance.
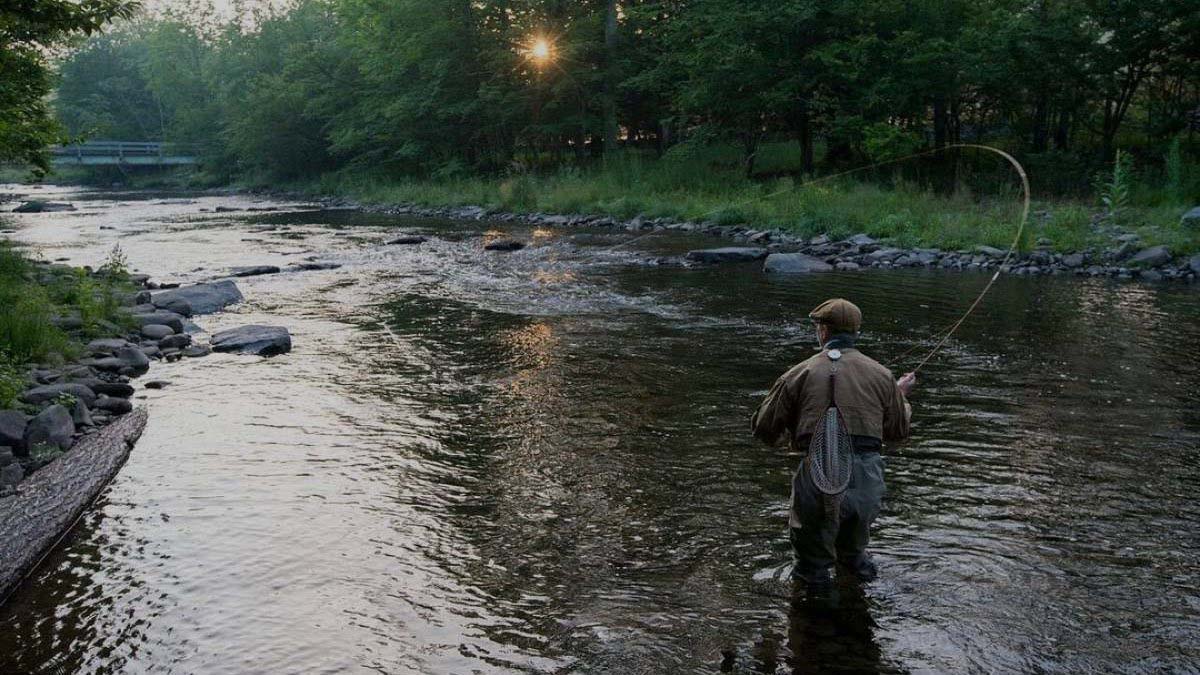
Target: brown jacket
(867, 395)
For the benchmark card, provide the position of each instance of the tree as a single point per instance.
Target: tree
(28, 28)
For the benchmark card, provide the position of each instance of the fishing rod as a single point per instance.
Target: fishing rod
(1012, 249)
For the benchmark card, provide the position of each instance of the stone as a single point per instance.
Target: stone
(12, 429)
(253, 271)
(37, 206)
(1194, 263)
(6, 455)
(1073, 260)
(861, 240)
(504, 245)
(49, 392)
(885, 254)
(204, 298)
(794, 263)
(313, 266)
(196, 351)
(175, 321)
(1191, 219)
(119, 389)
(1128, 238)
(926, 257)
(847, 266)
(116, 406)
(253, 339)
(156, 384)
(407, 240)
(126, 361)
(1151, 257)
(819, 240)
(157, 331)
(80, 415)
(175, 341)
(178, 305)
(11, 474)
(727, 254)
(1150, 275)
(990, 251)
(53, 427)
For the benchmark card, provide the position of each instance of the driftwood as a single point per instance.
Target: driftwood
(49, 502)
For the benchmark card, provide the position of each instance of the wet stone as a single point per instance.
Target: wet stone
(253, 339)
(794, 263)
(49, 392)
(727, 254)
(157, 331)
(504, 245)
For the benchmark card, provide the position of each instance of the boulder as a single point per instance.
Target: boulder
(126, 361)
(196, 351)
(407, 240)
(163, 317)
(204, 298)
(116, 406)
(157, 331)
(794, 263)
(504, 245)
(1194, 264)
(1151, 257)
(260, 340)
(10, 474)
(175, 341)
(49, 392)
(12, 429)
(253, 271)
(178, 305)
(1073, 260)
(119, 389)
(53, 427)
(80, 415)
(1191, 219)
(861, 240)
(847, 266)
(37, 206)
(727, 254)
(990, 251)
(157, 384)
(886, 254)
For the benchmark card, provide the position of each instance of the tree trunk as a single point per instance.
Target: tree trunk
(806, 142)
(48, 502)
(939, 122)
(610, 77)
(1041, 123)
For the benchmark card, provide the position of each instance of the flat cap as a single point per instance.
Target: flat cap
(841, 315)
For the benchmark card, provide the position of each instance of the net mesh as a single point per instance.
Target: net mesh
(830, 457)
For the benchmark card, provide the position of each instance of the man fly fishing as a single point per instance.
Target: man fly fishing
(837, 409)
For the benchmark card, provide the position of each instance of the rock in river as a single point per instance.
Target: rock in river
(727, 254)
(204, 298)
(116, 406)
(504, 245)
(407, 240)
(127, 361)
(794, 263)
(260, 340)
(43, 207)
(157, 331)
(253, 271)
(53, 426)
(175, 321)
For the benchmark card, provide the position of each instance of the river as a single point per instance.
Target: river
(482, 462)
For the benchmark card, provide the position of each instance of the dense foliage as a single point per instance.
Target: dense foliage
(449, 88)
(28, 28)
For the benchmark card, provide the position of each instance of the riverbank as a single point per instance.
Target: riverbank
(1114, 251)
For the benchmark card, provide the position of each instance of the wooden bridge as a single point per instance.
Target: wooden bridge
(122, 153)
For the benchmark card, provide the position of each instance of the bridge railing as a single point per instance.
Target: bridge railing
(118, 151)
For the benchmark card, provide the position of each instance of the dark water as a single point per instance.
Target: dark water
(538, 462)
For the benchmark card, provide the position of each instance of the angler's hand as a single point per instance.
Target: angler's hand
(907, 383)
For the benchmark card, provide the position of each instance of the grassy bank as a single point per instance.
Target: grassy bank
(47, 311)
(895, 206)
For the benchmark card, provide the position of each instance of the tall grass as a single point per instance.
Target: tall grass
(922, 204)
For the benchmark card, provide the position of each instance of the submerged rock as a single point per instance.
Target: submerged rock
(203, 298)
(504, 245)
(727, 254)
(37, 206)
(794, 263)
(408, 240)
(260, 340)
(253, 271)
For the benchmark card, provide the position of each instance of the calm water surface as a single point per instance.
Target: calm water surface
(538, 462)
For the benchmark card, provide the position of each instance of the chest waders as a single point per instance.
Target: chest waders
(831, 451)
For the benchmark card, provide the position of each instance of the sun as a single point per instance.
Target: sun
(540, 50)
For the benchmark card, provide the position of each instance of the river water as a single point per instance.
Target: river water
(478, 462)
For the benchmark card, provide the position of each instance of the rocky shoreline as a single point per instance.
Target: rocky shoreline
(1125, 259)
(63, 405)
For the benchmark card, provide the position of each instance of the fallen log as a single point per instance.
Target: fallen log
(49, 502)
